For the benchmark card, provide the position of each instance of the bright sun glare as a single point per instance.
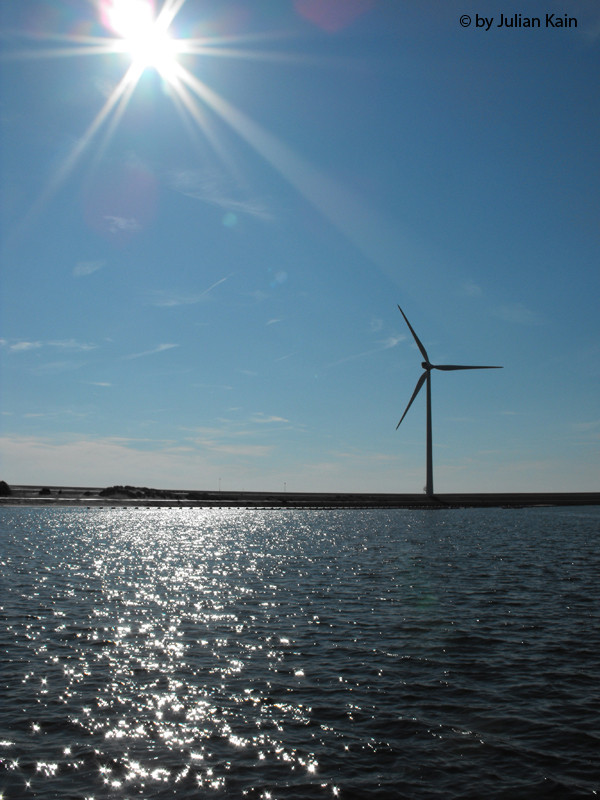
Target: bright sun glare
(144, 37)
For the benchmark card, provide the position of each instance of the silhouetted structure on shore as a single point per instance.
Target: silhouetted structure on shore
(426, 378)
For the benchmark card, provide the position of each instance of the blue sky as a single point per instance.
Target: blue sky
(202, 256)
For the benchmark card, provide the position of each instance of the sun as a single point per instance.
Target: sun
(144, 37)
(145, 32)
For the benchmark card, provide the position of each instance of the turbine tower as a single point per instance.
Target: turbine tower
(426, 377)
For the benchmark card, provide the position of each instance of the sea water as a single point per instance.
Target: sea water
(194, 653)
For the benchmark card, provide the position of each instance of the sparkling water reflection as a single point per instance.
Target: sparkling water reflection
(296, 654)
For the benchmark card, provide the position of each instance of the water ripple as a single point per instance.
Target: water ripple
(297, 654)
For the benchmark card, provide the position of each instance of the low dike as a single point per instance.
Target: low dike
(132, 497)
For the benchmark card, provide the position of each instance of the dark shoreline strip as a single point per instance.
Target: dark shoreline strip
(90, 497)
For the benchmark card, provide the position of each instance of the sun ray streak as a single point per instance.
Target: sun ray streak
(130, 79)
(252, 55)
(185, 102)
(372, 234)
(291, 166)
(169, 11)
(40, 36)
(66, 52)
(74, 45)
(120, 95)
(322, 192)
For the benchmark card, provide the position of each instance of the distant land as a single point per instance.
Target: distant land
(134, 496)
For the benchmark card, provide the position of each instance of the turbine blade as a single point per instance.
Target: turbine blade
(415, 337)
(420, 383)
(448, 367)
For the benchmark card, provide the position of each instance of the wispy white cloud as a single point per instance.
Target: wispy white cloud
(588, 431)
(160, 349)
(235, 449)
(21, 347)
(64, 344)
(86, 268)
(72, 344)
(225, 386)
(230, 441)
(519, 314)
(263, 419)
(384, 344)
(122, 224)
(232, 428)
(166, 299)
(217, 188)
(361, 456)
(45, 349)
(471, 289)
(70, 413)
(587, 427)
(392, 341)
(258, 295)
(244, 438)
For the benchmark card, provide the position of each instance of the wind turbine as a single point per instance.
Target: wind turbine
(426, 377)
